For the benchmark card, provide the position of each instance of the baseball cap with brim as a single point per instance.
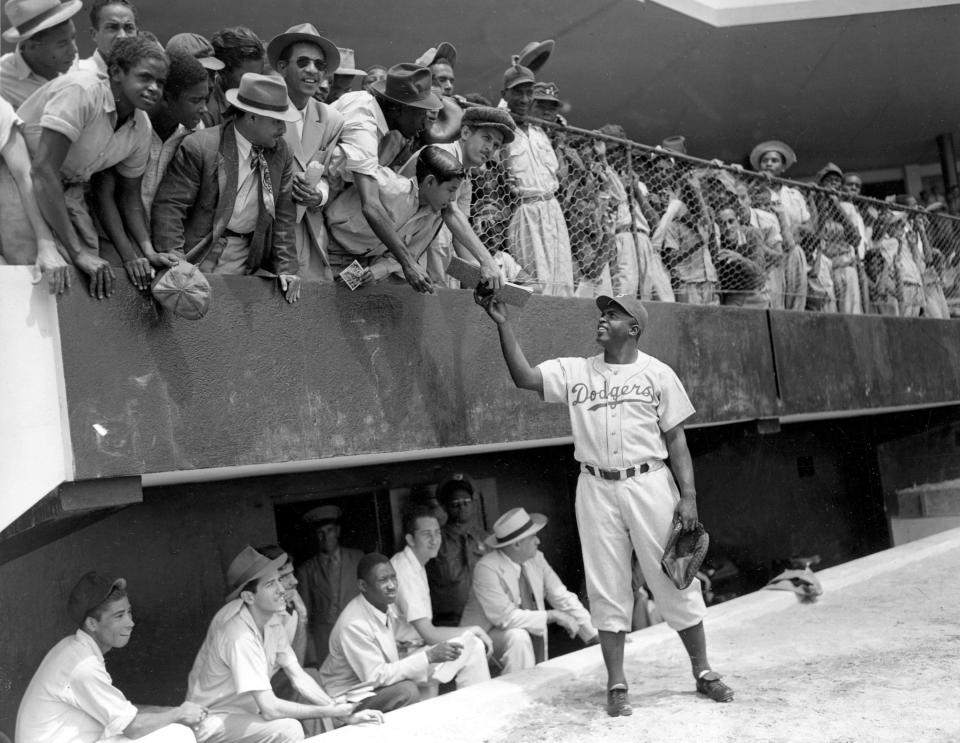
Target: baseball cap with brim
(247, 566)
(265, 95)
(546, 92)
(773, 145)
(409, 85)
(322, 514)
(517, 74)
(303, 33)
(631, 305)
(196, 46)
(488, 117)
(183, 290)
(348, 63)
(30, 17)
(535, 54)
(513, 526)
(91, 591)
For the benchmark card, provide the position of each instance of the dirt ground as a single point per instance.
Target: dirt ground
(876, 662)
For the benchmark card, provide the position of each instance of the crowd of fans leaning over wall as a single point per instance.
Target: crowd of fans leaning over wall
(239, 157)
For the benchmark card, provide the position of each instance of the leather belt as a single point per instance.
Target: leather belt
(231, 233)
(626, 474)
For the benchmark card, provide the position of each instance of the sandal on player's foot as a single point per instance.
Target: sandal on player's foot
(709, 684)
(618, 703)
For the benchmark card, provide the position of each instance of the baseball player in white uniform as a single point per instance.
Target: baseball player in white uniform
(627, 411)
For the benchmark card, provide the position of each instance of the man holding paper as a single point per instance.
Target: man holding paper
(415, 627)
(363, 649)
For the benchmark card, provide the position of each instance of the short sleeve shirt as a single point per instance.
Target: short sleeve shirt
(618, 412)
(17, 81)
(8, 122)
(80, 106)
(413, 596)
(697, 266)
(530, 159)
(235, 660)
(71, 698)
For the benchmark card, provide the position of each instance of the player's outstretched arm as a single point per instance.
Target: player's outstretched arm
(524, 376)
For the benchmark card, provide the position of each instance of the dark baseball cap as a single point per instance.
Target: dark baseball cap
(91, 591)
(454, 484)
(631, 305)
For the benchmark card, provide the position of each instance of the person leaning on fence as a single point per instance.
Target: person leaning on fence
(45, 39)
(25, 239)
(109, 20)
(247, 227)
(775, 158)
(537, 235)
(302, 56)
(740, 262)
(768, 222)
(81, 124)
(241, 51)
(687, 244)
(910, 258)
(71, 697)
(840, 237)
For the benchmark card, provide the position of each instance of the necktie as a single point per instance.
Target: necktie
(528, 601)
(259, 163)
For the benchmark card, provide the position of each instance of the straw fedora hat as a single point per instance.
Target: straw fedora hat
(265, 95)
(513, 526)
(348, 63)
(30, 17)
(308, 34)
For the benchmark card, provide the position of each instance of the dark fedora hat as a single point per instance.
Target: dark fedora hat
(307, 34)
(409, 85)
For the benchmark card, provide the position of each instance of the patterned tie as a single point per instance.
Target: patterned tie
(259, 162)
(528, 601)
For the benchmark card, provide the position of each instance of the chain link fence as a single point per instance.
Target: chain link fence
(625, 218)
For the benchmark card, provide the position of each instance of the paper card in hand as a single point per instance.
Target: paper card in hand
(468, 274)
(352, 275)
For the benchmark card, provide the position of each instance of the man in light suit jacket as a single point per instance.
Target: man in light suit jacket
(302, 57)
(225, 202)
(328, 580)
(511, 586)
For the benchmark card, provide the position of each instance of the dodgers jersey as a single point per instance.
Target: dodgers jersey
(618, 412)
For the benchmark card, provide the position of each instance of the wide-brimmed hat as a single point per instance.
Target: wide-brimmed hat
(443, 50)
(631, 305)
(535, 54)
(196, 46)
(247, 566)
(409, 85)
(323, 514)
(91, 591)
(684, 554)
(30, 17)
(676, 143)
(308, 34)
(513, 526)
(265, 95)
(773, 145)
(348, 64)
(183, 290)
(488, 117)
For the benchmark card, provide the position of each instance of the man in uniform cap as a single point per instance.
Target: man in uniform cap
(71, 696)
(511, 584)
(627, 499)
(45, 37)
(246, 644)
(537, 236)
(328, 580)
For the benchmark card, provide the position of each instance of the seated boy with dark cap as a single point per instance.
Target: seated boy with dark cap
(71, 698)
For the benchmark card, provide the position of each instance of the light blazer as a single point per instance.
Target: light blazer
(363, 651)
(321, 130)
(197, 194)
(493, 603)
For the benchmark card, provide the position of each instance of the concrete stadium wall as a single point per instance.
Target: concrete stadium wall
(384, 370)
